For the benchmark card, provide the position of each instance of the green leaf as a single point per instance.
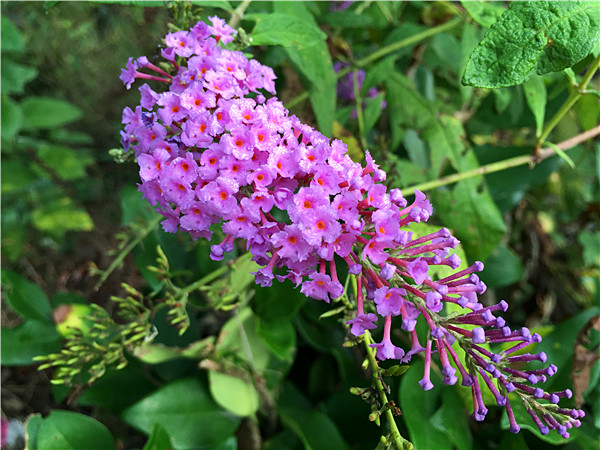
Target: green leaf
(234, 394)
(188, 414)
(280, 336)
(30, 339)
(12, 39)
(12, 120)
(69, 164)
(535, 95)
(587, 109)
(470, 211)
(590, 241)
(451, 419)
(15, 76)
(240, 335)
(562, 154)
(44, 112)
(305, 45)
(485, 13)
(418, 408)
(314, 428)
(64, 430)
(224, 5)
(60, 216)
(26, 298)
(372, 112)
(285, 30)
(533, 38)
(503, 267)
(159, 439)
(16, 176)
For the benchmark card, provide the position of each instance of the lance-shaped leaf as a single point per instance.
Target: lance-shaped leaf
(533, 37)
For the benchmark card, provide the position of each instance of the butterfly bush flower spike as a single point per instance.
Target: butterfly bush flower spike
(214, 149)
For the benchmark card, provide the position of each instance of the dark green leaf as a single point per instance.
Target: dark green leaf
(418, 408)
(159, 439)
(65, 430)
(503, 267)
(470, 211)
(535, 94)
(32, 338)
(12, 120)
(280, 336)
(12, 39)
(188, 414)
(234, 394)
(508, 186)
(451, 419)
(26, 298)
(315, 429)
(15, 76)
(533, 38)
(485, 13)
(44, 112)
(16, 176)
(372, 112)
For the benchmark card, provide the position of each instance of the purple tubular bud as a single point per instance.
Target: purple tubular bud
(500, 400)
(538, 393)
(478, 335)
(387, 271)
(475, 267)
(437, 333)
(488, 316)
(355, 269)
(543, 429)
(554, 399)
(528, 357)
(500, 322)
(514, 427)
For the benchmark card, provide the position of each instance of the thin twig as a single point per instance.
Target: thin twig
(505, 164)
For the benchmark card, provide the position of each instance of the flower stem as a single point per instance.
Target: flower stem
(386, 51)
(575, 95)
(506, 164)
(121, 257)
(399, 441)
(238, 14)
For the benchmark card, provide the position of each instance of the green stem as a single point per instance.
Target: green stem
(505, 164)
(575, 95)
(238, 14)
(399, 441)
(386, 51)
(205, 280)
(359, 111)
(119, 259)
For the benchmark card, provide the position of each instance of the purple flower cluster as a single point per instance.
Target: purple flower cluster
(212, 150)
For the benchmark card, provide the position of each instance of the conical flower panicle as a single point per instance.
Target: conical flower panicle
(212, 149)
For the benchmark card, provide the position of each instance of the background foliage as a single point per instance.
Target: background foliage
(265, 367)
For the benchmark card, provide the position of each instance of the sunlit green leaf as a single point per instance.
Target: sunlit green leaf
(234, 394)
(533, 38)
